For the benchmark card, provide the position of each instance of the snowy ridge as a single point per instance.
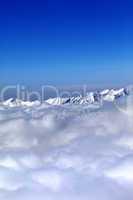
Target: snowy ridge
(109, 95)
(92, 97)
(19, 103)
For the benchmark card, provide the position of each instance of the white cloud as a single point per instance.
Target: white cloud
(61, 152)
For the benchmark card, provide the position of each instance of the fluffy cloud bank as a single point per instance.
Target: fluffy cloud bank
(65, 152)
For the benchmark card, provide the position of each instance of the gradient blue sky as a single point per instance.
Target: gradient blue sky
(66, 42)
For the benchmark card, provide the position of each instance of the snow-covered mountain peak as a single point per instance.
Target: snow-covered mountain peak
(108, 95)
(91, 97)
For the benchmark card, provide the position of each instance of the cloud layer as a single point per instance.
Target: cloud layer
(65, 152)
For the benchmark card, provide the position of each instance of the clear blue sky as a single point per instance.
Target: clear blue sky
(66, 42)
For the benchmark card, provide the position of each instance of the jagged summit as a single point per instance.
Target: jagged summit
(108, 95)
(91, 97)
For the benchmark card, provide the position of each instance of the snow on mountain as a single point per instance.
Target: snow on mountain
(92, 97)
(57, 101)
(104, 92)
(19, 103)
(109, 95)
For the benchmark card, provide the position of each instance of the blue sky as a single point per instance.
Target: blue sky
(65, 42)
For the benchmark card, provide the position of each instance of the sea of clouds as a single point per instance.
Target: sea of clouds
(66, 152)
